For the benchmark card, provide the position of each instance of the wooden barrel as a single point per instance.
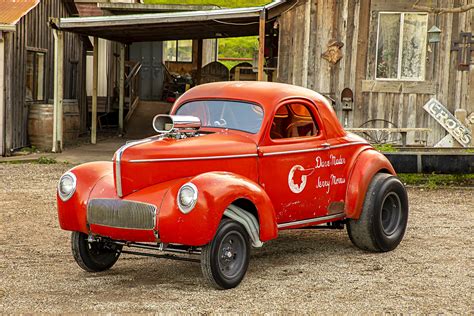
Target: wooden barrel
(71, 122)
(40, 124)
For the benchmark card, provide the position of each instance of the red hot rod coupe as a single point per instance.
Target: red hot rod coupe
(234, 163)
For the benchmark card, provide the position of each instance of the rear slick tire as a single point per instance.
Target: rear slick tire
(93, 256)
(224, 261)
(383, 220)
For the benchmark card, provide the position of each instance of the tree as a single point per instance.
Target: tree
(435, 10)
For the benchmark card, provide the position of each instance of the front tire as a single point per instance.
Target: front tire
(93, 256)
(383, 221)
(224, 261)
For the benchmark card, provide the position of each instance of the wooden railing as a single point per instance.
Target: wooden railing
(132, 86)
(269, 70)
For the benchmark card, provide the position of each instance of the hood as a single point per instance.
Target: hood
(140, 164)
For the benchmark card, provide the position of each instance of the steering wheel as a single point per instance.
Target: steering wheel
(220, 123)
(274, 134)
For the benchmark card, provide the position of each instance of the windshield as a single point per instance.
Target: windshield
(236, 115)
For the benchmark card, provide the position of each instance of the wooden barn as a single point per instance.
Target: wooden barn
(27, 74)
(382, 60)
(379, 61)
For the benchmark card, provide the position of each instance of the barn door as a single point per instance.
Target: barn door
(150, 54)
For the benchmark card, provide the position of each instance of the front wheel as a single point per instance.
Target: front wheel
(383, 221)
(93, 256)
(224, 261)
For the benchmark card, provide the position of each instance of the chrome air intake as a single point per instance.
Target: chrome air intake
(167, 124)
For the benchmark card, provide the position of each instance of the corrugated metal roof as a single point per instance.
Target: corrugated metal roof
(175, 25)
(11, 11)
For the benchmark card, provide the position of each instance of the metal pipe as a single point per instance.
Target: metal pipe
(161, 247)
(165, 256)
(261, 46)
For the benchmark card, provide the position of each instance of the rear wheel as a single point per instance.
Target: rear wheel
(93, 256)
(224, 261)
(383, 221)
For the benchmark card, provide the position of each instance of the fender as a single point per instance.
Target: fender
(72, 213)
(216, 191)
(368, 163)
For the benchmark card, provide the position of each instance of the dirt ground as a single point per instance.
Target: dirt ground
(303, 271)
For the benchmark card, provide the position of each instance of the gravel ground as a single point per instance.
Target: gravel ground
(303, 271)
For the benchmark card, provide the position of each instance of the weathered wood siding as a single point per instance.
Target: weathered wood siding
(33, 32)
(355, 24)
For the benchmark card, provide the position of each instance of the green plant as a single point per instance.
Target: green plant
(29, 150)
(46, 160)
(387, 148)
(237, 47)
(434, 181)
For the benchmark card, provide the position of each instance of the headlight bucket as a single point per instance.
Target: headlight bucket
(67, 186)
(187, 197)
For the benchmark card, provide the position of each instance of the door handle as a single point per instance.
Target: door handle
(326, 145)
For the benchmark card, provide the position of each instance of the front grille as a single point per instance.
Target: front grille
(121, 214)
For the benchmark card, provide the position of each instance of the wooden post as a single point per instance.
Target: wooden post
(58, 112)
(261, 48)
(2, 95)
(8, 71)
(199, 61)
(237, 74)
(306, 42)
(95, 81)
(122, 87)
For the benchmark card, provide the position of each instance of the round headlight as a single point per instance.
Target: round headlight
(67, 186)
(187, 197)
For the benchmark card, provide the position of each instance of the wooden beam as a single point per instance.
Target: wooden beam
(58, 112)
(9, 87)
(2, 95)
(407, 87)
(261, 48)
(7, 28)
(199, 61)
(361, 59)
(122, 87)
(95, 81)
(55, 93)
(306, 41)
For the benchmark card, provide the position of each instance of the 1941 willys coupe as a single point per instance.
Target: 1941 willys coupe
(234, 163)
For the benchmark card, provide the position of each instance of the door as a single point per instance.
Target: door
(150, 54)
(294, 163)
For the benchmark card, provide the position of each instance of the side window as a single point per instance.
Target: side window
(178, 51)
(401, 46)
(293, 120)
(35, 71)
